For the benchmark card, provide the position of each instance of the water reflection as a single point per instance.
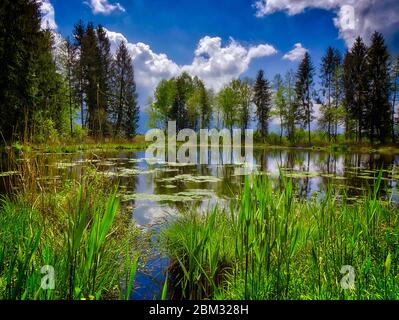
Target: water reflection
(157, 192)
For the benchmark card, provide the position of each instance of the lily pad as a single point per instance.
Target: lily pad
(65, 165)
(184, 196)
(191, 178)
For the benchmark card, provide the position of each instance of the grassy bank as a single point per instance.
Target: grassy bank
(320, 142)
(271, 245)
(73, 146)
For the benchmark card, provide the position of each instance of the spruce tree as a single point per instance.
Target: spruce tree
(394, 92)
(78, 68)
(262, 98)
(49, 109)
(69, 61)
(357, 86)
(20, 37)
(103, 78)
(303, 89)
(90, 61)
(379, 108)
(125, 108)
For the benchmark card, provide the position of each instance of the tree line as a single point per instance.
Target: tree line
(50, 86)
(357, 95)
(47, 80)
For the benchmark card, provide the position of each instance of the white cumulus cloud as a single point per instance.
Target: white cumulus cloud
(217, 65)
(149, 67)
(296, 54)
(214, 63)
(48, 15)
(353, 17)
(104, 7)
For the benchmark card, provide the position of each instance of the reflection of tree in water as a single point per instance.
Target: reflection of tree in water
(355, 164)
(303, 184)
(287, 160)
(326, 163)
(298, 161)
(306, 162)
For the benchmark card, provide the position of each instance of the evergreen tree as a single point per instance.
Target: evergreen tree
(79, 33)
(357, 86)
(125, 108)
(379, 108)
(49, 109)
(303, 89)
(69, 62)
(20, 37)
(262, 98)
(394, 92)
(103, 79)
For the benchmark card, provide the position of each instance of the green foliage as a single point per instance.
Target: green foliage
(45, 131)
(228, 101)
(183, 99)
(160, 107)
(332, 111)
(79, 133)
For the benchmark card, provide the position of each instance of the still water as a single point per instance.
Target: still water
(155, 193)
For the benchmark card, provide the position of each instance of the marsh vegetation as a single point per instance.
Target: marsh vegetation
(282, 231)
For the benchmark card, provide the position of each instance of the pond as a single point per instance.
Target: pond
(155, 193)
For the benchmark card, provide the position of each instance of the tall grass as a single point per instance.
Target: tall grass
(76, 227)
(272, 245)
(84, 254)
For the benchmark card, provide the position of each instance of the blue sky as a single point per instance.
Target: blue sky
(175, 27)
(225, 39)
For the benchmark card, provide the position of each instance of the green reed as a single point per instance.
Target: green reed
(77, 228)
(273, 245)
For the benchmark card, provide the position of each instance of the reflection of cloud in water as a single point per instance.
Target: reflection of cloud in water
(151, 213)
